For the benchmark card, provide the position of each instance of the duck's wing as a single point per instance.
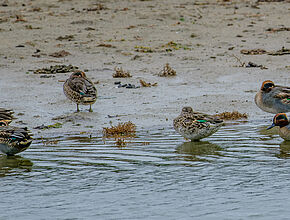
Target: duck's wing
(90, 88)
(196, 120)
(202, 117)
(14, 133)
(283, 94)
(83, 86)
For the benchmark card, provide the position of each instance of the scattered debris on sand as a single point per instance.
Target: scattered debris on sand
(127, 86)
(171, 45)
(60, 54)
(66, 37)
(251, 64)
(56, 69)
(55, 125)
(144, 49)
(281, 52)
(278, 29)
(106, 45)
(272, 1)
(254, 52)
(167, 71)
(145, 84)
(120, 73)
(235, 115)
(98, 7)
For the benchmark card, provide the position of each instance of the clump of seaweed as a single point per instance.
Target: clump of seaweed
(66, 37)
(56, 69)
(171, 45)
(235, 115)
(120, 73)
(120, 133)
(253, 52)
(167, 71)
(144, 49)
(55, 125)
(145, 84)
(59, 54)
(126, 129)
(120, 142)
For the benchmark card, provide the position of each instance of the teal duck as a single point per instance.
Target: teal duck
(14, 140)
(282, 121)
(273, 98)
(195, 125)
(80, 89)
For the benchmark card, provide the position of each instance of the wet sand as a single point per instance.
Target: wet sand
(201, 41)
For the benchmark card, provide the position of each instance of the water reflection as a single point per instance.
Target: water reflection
(12, 164)
(170, 176)
(196, 150)
(284, 150)
(267, 134)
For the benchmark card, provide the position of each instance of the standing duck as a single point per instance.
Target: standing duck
(282, 121)
(195, 125)
(273, 98)
(81, 90)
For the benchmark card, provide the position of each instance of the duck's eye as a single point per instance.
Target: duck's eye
(268, 85)
(78, 74)
(281, 117)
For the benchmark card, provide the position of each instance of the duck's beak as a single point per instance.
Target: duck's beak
(272, 126)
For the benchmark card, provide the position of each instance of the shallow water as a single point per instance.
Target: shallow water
(241, 172)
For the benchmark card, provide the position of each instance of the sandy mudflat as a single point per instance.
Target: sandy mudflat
(201, 40)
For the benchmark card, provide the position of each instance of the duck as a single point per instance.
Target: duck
(80, 89)
(273, 98)
(195, 125)
(6, 115)
(14, 140)
(282, 121)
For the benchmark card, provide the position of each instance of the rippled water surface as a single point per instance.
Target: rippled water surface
(241, 172)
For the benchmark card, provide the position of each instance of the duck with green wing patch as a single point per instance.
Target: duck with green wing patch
(14, 140)
(273, 98)
(80, 89)
(195, 125)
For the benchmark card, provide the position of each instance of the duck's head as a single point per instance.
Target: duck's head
(186, 109)
(267, 86)
(280, 120)
(78, 74)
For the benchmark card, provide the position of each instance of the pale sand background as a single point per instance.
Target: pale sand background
(208, 76)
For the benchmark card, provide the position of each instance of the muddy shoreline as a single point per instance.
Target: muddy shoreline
(201, 41)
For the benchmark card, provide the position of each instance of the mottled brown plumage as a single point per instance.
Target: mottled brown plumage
(14, 140)
(195, 125)
(6, 115)
(81, 90)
